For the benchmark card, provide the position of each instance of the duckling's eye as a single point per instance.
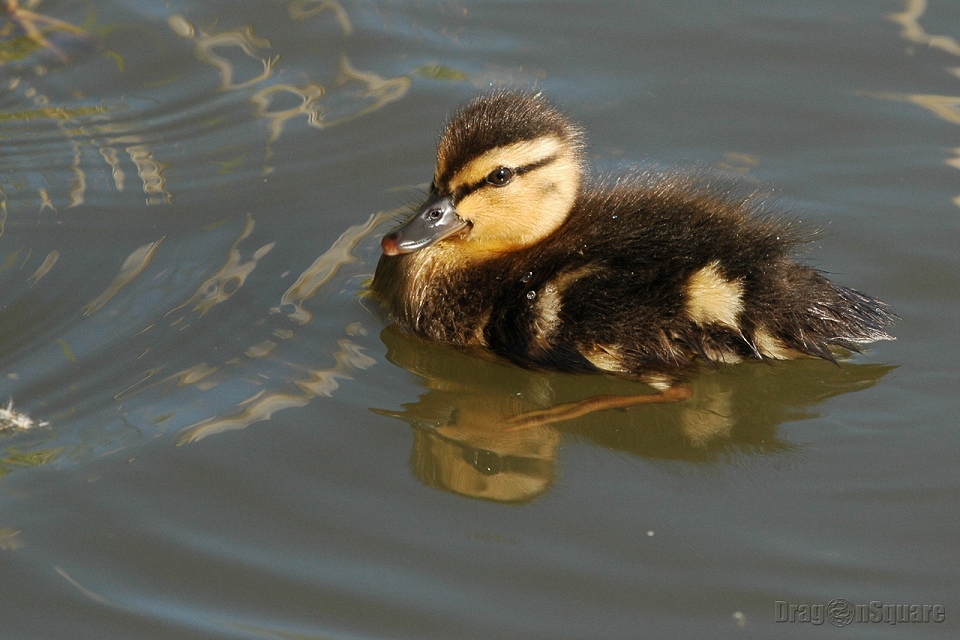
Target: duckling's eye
(486, 462)
(500, 176)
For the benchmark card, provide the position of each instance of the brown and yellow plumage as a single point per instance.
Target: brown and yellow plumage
(516, 253)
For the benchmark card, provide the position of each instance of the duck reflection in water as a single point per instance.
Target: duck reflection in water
(487, 430)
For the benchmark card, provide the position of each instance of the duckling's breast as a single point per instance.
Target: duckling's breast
(431, 294)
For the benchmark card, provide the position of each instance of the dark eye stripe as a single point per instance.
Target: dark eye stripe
(467, 189)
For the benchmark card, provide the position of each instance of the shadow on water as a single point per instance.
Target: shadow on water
(464, 442)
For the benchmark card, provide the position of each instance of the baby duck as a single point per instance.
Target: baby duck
(516, 254)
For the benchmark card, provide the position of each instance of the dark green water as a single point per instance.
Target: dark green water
(191, 200)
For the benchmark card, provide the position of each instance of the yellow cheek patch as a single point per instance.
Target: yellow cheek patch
(524, 211)
(709, 298)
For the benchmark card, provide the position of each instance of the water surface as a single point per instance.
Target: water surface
(238, 446)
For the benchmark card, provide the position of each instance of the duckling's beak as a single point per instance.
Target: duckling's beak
(436, 220)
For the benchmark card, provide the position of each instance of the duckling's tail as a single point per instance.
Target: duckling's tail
(846, 318)
(865, 316)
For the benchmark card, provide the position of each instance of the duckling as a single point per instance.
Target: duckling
(517, 254)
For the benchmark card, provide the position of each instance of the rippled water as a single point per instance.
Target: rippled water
(229, 442)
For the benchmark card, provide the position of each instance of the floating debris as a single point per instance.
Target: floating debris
(27, 36)
(11, 420)
(8, 538)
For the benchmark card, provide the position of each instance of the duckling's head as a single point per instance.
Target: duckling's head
(508, 171)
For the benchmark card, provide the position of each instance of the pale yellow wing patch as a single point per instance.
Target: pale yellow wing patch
(549, 301)
(605, 358)
(709, 298)
(770, 347)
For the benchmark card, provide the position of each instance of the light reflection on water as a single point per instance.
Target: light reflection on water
(227, 51)
(190, 202)
(112, 128)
